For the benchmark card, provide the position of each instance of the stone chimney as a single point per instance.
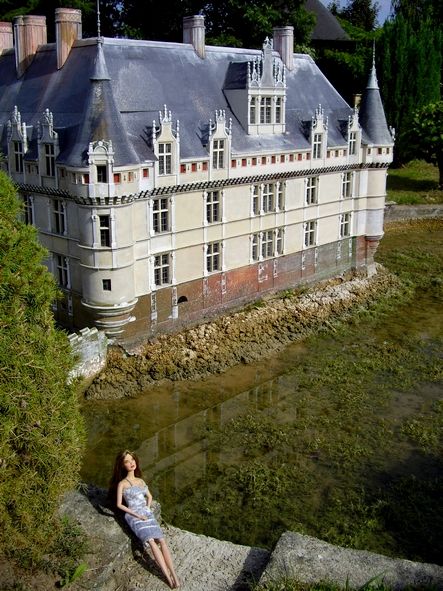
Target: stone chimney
(29, 33)
(68, 28)
(194, 33)
(6, 38)
(284, 44)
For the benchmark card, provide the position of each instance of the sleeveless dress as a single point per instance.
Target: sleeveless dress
(135, 499)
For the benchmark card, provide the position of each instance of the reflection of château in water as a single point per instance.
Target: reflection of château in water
(177, 454)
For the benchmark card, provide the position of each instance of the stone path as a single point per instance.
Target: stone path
(116, 562)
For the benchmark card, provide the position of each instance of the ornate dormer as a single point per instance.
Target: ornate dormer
(48, 148)
(166, 144)
(17, 142)
(219, 141)
(100, 160)
(353, 135)
(256, 91)
(319, 134)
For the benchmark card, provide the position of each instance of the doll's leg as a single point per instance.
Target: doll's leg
(168, 560)
(159, 559)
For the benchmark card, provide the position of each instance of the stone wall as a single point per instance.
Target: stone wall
(90, 347)
(397, 213)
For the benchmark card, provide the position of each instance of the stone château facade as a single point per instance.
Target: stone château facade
(169, 181)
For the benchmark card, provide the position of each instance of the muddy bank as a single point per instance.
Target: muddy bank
(261, 328)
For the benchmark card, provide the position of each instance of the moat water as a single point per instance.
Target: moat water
(339, 437)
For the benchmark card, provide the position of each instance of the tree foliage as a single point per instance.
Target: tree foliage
(360, 13)
(409, 67)
(41, 437)
(426, 136)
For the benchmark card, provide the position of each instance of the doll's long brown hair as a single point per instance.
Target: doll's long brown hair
(120, 472)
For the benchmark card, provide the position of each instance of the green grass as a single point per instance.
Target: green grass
(414, 183)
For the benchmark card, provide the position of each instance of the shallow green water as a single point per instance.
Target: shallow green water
(340, 437)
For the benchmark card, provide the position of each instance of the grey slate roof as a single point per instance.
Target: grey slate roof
(113, 89)
(372, 115)
(327, 27)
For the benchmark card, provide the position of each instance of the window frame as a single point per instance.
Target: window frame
(213, 206)
(164, 158)
(345, 224)
(104, 230)
(213, 256)
(59, 217)
(218, 153)
(346, 185)
(310, 233)
(28, 209)
(160, 215)
(19, 155)
(162, 269)
(311, 190)
(49, 159)
(62, 270)
(317, 145)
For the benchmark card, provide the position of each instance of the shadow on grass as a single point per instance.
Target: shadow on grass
(397, 182)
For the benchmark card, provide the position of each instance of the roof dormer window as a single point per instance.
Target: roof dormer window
(319, 130)
(166, 143)
(17, 142)
(47, 145)
(220, 141)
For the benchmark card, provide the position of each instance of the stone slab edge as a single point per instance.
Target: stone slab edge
(310, 560)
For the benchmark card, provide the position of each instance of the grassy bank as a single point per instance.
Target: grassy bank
(414, 183)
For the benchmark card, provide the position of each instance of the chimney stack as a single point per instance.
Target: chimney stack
(6, 38)
(29, 33)
(284, 44)
(68, 28)
(194, 33)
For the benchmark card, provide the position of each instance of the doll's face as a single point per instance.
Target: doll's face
(129, 463)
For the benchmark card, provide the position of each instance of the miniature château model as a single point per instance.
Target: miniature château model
(170, 181)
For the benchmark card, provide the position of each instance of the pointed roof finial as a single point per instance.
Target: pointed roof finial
(373, 82)
(98, 19)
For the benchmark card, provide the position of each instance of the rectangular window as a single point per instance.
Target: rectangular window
(145, 173)
(316, 145)
(280, 189)
(311, 190)
(213, 257)
(105, 230)
(265, 109)
(218, 154)
(254, 247)
(252, 112)
(49, 160)
(278, 110)
(345, 225)
(102, 173)
(279, 241)
(106, 284)
(18, 156)
(213, 207)
(28, 209)
(346, 185)
(160, 220)
(62, 270)
(268, 203)
(267, 244)
(352, 143)
(255, 197)
(309, 232)
(85, 179)
(165, 158)
(59, 217)
(117, 178)
(162, 269)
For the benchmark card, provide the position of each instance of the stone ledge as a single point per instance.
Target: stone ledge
(310, 560)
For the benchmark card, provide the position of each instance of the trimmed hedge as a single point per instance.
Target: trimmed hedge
(41, 429)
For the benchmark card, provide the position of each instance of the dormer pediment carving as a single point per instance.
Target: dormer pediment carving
(46, 132)
(16, 130)
(165, 131)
